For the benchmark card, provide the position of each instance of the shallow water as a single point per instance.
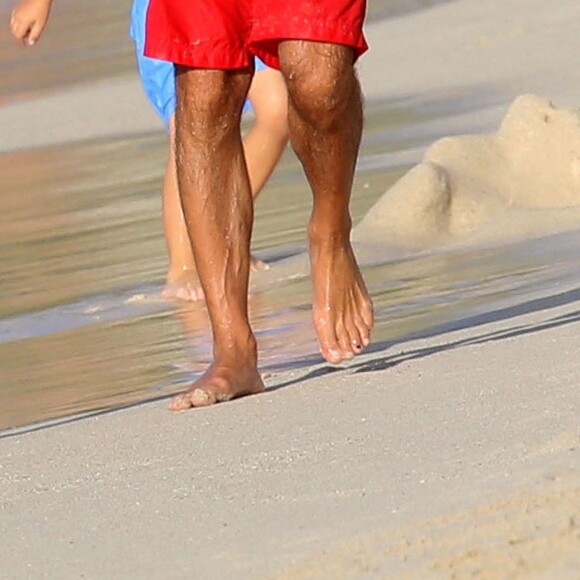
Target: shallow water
(82, 260)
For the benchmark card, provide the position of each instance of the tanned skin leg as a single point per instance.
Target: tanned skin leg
(217, 204)
(325, 120)
(263, 147)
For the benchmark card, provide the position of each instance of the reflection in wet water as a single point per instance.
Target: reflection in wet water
(82, 260)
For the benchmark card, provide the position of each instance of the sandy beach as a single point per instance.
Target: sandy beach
(453, 452)
(442, 457)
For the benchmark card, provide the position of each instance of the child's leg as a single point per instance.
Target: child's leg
(158, 79)
(264, 144)
(182, 281)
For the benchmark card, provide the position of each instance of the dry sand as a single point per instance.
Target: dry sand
(522, 181)
(451, 456)
(528, 536)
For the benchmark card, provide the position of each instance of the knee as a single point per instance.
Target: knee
(320, 97)
(205, 96)
(321, 85)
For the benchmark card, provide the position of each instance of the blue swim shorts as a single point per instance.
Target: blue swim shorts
(158, 76)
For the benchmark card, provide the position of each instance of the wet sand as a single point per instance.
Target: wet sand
(450, 449)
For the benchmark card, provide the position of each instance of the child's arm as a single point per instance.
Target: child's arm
(29, 19)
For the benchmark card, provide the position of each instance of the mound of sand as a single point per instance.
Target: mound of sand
(520, 182)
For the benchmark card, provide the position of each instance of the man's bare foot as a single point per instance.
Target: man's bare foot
(182, 285)
(218, 384)
(343, 311)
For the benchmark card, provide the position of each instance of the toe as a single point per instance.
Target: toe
(344, 342)
(257, 265)
(180, 402)
(355, 340)
(182, 293)
(329, 346)
(363, 331)
(331, 353)
(192, 294)
(202, 398)
(367, 313)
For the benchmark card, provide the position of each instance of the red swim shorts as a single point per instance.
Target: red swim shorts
(227, 34)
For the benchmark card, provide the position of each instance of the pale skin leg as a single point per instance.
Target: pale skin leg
(263, 146)
(266, 141)
(325, 119)
(218, 207)
(182, 281)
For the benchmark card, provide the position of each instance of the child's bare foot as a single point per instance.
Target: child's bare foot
(256, 265)
(221, 382)
(343, 312)
(182, 285)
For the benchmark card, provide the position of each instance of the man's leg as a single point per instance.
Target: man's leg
(217, 203)
(325, 121)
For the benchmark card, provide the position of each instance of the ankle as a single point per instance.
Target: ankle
(323, 232)
(177, 270)
(238, 350)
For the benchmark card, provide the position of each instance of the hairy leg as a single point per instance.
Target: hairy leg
(325, 120)
(182, 282)
(263, 147)
(217, 204)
